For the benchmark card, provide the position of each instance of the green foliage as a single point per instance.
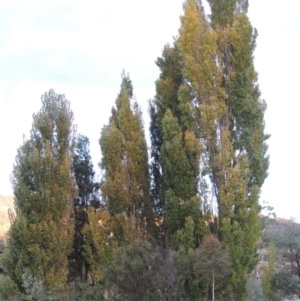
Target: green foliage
(9, 289)
(286, 283)
(217, 63)
(2, 247)
(41, 233)
(142, 272)
(33, 287)
(207, 113)
(75, 291)
(208, 163)
(215, 263)
(125, 186)
(87, 196)
(84, 174)
(101, 238)
(284, 234)
(175, 165)
(175, 149)
(193, 284)
(269, 275)
(185, 237)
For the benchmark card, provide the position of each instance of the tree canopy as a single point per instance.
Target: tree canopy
(178, 223)
(41, 233)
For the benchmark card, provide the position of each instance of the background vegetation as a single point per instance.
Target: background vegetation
(180, 223)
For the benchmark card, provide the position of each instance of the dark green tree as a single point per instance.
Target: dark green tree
(41, 233)
(84, 174)
(193, 284)
(177, 175)
(166, 97)
(175, 149)
(88, 195)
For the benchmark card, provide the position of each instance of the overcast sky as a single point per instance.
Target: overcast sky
(79, 48)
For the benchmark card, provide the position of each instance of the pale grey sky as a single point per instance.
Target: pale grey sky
(79, 49)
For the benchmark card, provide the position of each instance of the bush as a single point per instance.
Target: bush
(141, 272)
(9, 290)
(76, 291)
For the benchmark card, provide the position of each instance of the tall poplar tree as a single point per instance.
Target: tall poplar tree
(126, 186)
(217, 60)
(175, 150)
(167, 87)
(41, 233)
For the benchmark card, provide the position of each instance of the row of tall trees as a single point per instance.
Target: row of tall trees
(207, 132)
(207, 164)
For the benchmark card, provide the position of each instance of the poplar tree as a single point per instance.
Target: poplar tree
(41, 233)
(217, 60)
(175, 150)
(125, 186)
(167, 87)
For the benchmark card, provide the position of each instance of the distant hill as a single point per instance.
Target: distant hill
(6, 202)
(285, 236)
